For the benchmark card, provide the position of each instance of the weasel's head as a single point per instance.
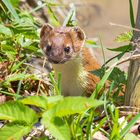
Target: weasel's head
(61, 44)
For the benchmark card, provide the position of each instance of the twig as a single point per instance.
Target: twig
(133, 57)
(124, 26)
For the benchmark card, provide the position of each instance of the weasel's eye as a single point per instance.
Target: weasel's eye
(67, 49)
(48, 47)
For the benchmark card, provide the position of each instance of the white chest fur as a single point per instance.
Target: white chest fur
(73, 77)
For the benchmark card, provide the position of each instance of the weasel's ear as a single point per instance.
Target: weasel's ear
(78, 38)
(45, 30)
(80, 33)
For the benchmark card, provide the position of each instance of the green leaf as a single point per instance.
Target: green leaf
(16, 111)
(124, 37)
(57, 127)
(9, 51)
(41, 101)
(54, 100)
(11, 9)
(5, 30)
(118, 76)
(13, 132)
(131, 123)
(73, 105)
(68, 106)
(38, 101)
(121, 48)
(70, 19)
(25, 24)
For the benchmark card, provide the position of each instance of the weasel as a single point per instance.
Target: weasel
(63, 47)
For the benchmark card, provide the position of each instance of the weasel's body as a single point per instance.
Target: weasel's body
(64, 49)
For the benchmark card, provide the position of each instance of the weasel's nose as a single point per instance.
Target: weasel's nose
(56, 56)
(56, 53)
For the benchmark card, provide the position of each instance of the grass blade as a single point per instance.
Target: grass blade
(132, 122)
(71, 17)
(11, 9)
(59, 82)
(101, 84)
(131, 14)
(52, 17)
(55, 84)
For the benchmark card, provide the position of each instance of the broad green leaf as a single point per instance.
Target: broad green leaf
(121, 49)
(73, 105)
(27, 43)
(57, 127)
(70, 19)
(119, 77)
(38, 101)
(11, 9)
(68, 106)
(41, 101)
(124, 37)
(25, 24)
(14, 132)
(16, 111)
(8, 49)
(53, 100)
(129, 125)
(5, 30)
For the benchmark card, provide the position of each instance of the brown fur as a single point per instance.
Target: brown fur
(73, 37)
(90, 64)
